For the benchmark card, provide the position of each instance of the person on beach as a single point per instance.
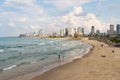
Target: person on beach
(113, 51)
(59, 56)
(102, 45)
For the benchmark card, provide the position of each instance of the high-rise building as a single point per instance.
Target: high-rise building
(98, 32)
(66, 32)
(41, 33)
(62, 32)
(79, 29)
(108, 32)
(112, 32)
(118, 29)
(92, 30)
(83, 31)
(71, 31)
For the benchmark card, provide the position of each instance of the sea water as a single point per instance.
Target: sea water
(22, 55)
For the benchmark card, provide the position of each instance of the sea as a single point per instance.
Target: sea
(20, 56)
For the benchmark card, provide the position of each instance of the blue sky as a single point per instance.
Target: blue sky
(24, 16)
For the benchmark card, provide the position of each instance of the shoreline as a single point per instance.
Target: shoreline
(101, 63)
(38, 72)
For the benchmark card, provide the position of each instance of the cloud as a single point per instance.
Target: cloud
(27, 13)
(115, 6)
(29, 2)
(86, 21)
(11, 24)
(29, 16)
(66, 3)
(26, 6)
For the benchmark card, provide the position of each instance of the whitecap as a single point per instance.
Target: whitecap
(1, 50)
(33, 62)
(11, 67)
(42, 44)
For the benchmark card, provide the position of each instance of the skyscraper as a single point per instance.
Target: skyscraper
(92, 30)
(62, 32)
(71, 31)
(41, 33)
(98, 32)
(118, 29)
(83, 31)
(112, 32)
(79, 29)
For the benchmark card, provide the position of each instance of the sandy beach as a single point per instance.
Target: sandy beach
(102, 63)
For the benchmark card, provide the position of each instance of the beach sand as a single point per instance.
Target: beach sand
(102, 63)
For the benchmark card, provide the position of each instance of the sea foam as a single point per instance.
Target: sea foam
(1, 50)
(10, 67)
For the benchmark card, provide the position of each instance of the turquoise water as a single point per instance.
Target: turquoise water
(17, 52)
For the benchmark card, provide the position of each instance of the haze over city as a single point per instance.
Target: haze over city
(21, 16)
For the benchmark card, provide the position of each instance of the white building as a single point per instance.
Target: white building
(80, 31)
(62, 32)
(41, 33)
(71, 31)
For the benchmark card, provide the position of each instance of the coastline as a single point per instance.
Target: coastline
(100, 63)
(38, 72)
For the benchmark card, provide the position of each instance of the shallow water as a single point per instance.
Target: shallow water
(22, 55)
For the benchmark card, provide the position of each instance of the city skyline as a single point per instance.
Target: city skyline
(21, 16)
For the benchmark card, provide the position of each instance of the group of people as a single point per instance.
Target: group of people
(109, 45)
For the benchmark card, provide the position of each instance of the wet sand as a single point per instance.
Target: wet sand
(100, 64)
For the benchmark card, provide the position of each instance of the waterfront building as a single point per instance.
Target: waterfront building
(92, 30)
(118, 29)
(22, 35)
(98, 32)
(31, 34)
(83, 31)
(41, 33)
(64, 32)
(79, 31)
(108, 32)
(112, 32)
(71, 31)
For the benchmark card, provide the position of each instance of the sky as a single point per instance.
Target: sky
(24, 16)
